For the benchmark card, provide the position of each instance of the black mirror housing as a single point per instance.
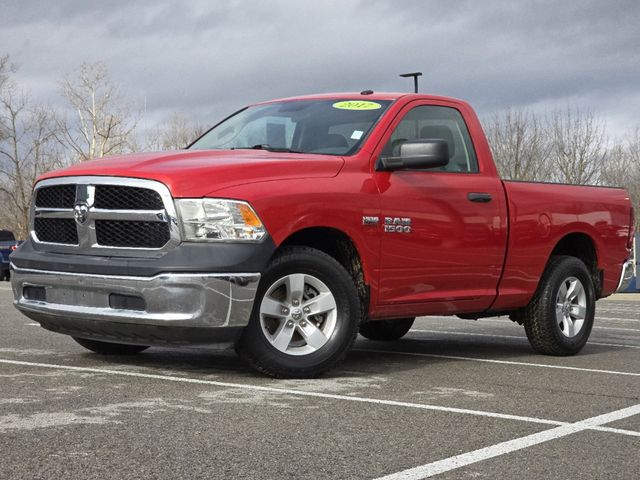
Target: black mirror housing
(417, 154)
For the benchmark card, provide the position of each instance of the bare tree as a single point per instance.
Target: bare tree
(520, 145)
(176, 132)
(103, 124)
(622, 168)
(633, 146)
(28, 149)
(579, 146)
(5, 82)
(5, 69)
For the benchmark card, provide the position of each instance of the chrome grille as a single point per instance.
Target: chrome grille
(132, 234)
(113, 197)
(58, 196)
(57, 230)
(104, 216)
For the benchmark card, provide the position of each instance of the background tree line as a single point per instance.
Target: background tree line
(98, 121)
(566, 145)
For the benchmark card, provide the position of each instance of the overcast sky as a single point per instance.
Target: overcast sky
(207, 58)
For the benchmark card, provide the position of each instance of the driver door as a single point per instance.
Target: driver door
(450, 257)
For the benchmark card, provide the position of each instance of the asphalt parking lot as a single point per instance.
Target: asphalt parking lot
(453, 399)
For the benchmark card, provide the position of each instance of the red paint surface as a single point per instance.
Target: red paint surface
(454, 259)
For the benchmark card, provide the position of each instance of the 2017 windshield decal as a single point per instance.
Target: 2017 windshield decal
(357, 105)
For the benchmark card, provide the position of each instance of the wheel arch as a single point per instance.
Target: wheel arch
(340, 246)
(582, 246)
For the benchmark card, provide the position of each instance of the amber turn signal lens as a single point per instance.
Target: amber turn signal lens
(249, 217)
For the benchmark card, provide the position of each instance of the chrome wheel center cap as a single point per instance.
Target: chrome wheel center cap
(296, 314)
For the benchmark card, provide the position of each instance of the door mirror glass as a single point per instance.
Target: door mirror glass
(417, 154)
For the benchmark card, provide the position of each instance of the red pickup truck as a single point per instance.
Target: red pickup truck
(294, 224)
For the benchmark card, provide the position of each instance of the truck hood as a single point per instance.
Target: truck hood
(197, 173)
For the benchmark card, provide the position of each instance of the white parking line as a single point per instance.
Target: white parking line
(505, 321)
(618, 311)
(502, 322)
(282, 391)
(624, 308)
(615, 319)
(303, 393)
(618, 328)
(462, 460)
(491, 335)
(503, 362)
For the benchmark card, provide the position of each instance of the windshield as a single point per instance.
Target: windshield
(333, 127)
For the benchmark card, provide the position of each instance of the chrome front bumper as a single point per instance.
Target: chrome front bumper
(103, 306)
(626, 275)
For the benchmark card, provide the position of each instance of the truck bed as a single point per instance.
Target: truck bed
(542, 214)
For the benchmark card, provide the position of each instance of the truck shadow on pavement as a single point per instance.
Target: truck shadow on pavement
(367, 357)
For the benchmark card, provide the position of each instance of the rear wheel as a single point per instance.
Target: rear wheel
(386, 330)
(305, 316)
(559, 318)
(107, 348)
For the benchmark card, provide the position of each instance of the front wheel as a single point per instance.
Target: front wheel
(107, 348)
(559, 318)
(305, 316)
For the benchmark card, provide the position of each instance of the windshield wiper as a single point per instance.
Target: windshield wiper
(267, 147)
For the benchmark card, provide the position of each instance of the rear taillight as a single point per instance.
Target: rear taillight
(632, 228)
(14, 247)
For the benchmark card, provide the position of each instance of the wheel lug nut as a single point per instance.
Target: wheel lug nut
(306, 310)
(290, 324)
(285, 311)
(303, 323)
(295, 303)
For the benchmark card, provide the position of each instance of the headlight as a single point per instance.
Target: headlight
(218, 220)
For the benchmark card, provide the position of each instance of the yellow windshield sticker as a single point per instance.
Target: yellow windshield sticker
(357, 105)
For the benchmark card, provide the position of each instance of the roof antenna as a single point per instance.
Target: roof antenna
(415, 76)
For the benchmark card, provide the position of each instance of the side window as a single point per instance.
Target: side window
(441, 123)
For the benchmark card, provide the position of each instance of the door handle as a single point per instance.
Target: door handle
(479, 197)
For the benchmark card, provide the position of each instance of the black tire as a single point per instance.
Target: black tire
(107, 348)
(386, 330)
(541, 325)
(258, 351)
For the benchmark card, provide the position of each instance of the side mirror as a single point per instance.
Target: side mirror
(418, 154)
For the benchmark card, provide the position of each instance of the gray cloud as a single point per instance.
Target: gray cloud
(207, 58)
